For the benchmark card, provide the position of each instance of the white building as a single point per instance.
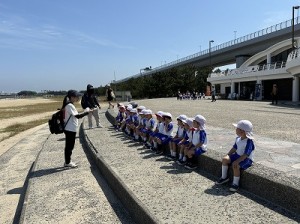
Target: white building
(278, 64)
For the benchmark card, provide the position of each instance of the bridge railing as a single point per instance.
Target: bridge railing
(262, 32)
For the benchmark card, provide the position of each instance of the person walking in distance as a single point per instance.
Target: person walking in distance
(213, 94)
(274, 94)
(89, 100)
(110, 96)
(71, 124)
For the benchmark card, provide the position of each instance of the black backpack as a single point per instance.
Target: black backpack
(56, 123)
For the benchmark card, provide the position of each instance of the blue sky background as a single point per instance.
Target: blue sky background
(64, 44)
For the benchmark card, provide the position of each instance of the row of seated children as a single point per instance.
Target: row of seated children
(190, 140)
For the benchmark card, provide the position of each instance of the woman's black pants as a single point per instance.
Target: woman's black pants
(70, 142)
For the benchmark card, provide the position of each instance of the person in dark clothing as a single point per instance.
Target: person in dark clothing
(213, 95)
(89, 100)
(71, 124)
(110, 96)
(274, 94)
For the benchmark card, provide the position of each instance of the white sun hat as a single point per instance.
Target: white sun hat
(246, 126)
(201, 120)
(181, 117)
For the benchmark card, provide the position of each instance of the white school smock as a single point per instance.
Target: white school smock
(200, 136)
(245, 146)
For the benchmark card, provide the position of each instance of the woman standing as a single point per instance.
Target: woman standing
(71, 124)
(110, 96)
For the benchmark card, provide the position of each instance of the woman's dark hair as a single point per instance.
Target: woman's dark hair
(66, 101)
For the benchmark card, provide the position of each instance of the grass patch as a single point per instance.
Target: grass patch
(27, 110)
(17, 128)
(19, 111)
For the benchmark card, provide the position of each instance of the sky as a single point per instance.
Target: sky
(67, 44)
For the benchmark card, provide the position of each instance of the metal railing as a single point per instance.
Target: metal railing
(271, 29)
(250, 69)
(293, 55)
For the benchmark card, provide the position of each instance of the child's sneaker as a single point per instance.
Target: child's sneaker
(181, 162)
(159, 152)
(222, 181)
(234, 188)
(153, 149)
(190, 166)
(169, 157)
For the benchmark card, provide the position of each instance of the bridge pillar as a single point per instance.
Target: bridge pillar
(240, 59)
(295, 97)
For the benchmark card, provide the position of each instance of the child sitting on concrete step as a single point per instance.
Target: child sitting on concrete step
(241, 154)
(180, 133)
(199, 142)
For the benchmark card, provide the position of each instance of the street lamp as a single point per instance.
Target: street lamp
(145, 69)
(211, 41)
(293, 27)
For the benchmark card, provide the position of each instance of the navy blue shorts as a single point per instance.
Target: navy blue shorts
(245, 164)
(176, 141)
(199, 151)
(164, 139)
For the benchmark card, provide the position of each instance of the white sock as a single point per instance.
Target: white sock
(224, 171)
(236, 180)
(155, 145)
(136, 136)
(184, 158)
(173, 153)
(180, 156)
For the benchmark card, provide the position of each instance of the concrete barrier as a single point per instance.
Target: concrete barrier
(262, 181)
(135, 208)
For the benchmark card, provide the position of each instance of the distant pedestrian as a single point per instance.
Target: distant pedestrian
(240, 156)
(71, 121)
(110, 96)
(274, 94)
(213, 95)
(89, 100)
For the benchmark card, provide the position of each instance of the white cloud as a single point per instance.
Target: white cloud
(18, 33)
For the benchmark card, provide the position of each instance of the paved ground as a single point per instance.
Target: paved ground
(169, 192)
(276, 128)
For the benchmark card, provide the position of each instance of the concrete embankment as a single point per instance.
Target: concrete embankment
(156, 190)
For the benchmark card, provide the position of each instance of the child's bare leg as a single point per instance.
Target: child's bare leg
(225, 162)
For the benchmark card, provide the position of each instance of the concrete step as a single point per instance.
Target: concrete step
(269, 183)
(156, 190)
(60, 195)
(15, 166)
